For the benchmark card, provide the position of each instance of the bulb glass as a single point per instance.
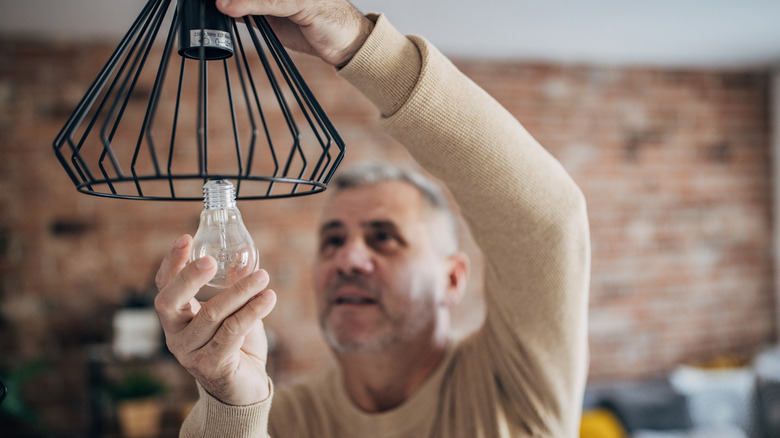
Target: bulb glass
(223, 235)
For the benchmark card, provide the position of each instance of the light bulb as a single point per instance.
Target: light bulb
(223, 235)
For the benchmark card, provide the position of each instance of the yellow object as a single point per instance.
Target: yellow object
(600, 423)
(723, 362)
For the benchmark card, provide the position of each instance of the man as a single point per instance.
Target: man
(387, 270)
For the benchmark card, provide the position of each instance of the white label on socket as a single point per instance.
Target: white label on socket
(214, 38)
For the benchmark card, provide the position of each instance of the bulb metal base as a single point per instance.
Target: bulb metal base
(219, 193)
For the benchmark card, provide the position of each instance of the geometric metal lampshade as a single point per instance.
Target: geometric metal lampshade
(209, 99)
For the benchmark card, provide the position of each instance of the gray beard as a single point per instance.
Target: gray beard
(401, 327)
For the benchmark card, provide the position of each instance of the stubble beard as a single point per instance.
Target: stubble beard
(343, 341)
(388, 331)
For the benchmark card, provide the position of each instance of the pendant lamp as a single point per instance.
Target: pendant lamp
(213, 98)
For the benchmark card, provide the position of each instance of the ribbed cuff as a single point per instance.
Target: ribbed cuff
(212, 418)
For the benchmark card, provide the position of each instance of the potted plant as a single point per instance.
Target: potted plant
(15, 413)
(138, 404)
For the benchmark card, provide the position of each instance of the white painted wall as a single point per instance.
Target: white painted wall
(697, 33)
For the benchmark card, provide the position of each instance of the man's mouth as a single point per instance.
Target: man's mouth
(353, 291)
(354, 300)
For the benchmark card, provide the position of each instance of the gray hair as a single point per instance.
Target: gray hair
(374, 172)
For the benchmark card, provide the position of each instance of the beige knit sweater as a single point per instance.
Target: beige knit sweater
(523, 373)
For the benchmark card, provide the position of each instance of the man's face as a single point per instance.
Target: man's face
(378, 277)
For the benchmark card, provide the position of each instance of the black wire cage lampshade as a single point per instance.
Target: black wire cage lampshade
(225, 102)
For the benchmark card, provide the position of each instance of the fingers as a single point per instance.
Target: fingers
(239, 8)
(332, 29)
(174, 261)
(175, 302)
(234, 330)
(231, 311)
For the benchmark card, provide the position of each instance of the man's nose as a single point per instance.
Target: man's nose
(355, 257)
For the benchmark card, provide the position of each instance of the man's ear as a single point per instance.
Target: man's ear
(458, 265)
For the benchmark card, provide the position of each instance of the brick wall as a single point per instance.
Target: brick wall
(674, 164)
(676, 169)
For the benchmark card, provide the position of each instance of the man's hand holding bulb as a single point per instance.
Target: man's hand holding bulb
(221, 341)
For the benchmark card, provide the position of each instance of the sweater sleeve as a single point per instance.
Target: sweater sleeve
(212, 418)
(524, 211)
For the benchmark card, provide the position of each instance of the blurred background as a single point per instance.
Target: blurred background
(665, 113)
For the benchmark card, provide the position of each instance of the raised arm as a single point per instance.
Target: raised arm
(525, 212)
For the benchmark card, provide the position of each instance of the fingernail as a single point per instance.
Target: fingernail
(181, 242)
(203, 263)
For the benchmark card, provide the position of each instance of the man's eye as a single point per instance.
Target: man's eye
(382, 236)
(329, 242)
(384, 240)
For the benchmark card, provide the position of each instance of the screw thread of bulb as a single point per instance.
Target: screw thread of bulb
(219, 193)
